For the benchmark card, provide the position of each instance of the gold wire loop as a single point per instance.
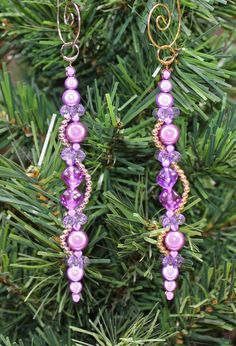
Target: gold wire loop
(163, 22)
(71, 16)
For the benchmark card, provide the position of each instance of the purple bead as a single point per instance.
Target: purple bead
(170, 273)
(81, 219)
(167, 158)
(75, 261)
(70, 155)
(75, 297)
(175, 261)
(174, 240)
(76, 287)
(169, 295)
(76, 132)
(164, 100)
(169, 134)
(72, 176)
(75, 273)
(70, 71)
(71, 83)
(165, 86)
(65, 110)
(166, 74)
(71, 97)
(170, 286)
(77, 240)
(80, 110)
(167, 178)
(68, 221)
(173, 222)
(170, 199)
(70, 199)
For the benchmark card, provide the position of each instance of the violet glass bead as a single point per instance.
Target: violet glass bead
(81, 219)
(70, 71)
(167, 178)
(166, 74)
(76, 132)
(76, 287)
(75, 273)
(164, 100)
(175, 261)
(167, 158)
(71, 97)
(173, 222)
(174, 240)
(170, 273)
(71, 83)
(65, 110)
(169, 295)
(68, 221)
(77, 240)
(80, 110)
(72, 176)
(76, 297)
(169, 134)
(165, 86)
(70, 199)
(170, 200)
(75, 261)
(170, 286)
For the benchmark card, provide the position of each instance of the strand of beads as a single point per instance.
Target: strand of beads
(72, 133)
(166, 135)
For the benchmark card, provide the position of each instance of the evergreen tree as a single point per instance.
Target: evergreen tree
(123, 302)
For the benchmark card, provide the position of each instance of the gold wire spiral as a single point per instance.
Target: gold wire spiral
(162, 24)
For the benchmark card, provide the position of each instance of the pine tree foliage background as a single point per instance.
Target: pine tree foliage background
(123, 301)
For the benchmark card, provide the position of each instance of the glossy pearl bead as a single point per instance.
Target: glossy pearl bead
(164, 100)
(76, 287)
(75, 297)
(76, 132)
(77, 240)
(174, 241)
(75, 273)
(170, 285)
(71, 97)
(71, 83)
(165, 86)
(166, 74)
(169, 134)
(70, 71)
(169, 295)
(170, 273)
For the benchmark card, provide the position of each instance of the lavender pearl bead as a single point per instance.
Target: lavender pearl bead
(71, 83)
(166, 74)
(169, 134)
(76, 287)
(71, 97)
(165, 86)
(164, 100)
(170, 273)
(174, 240)
(170, 285)
(75, 273)
(75, 297)
(76, 132)
(70, 71)
(169, 295)
(77, 240)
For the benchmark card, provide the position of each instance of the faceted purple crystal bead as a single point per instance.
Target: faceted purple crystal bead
(70, 199)
(75, 261)
(173, 222)
(75, 221)
(167, 178)
(166, 114)
(70, 155)
(172, 261)
(72, 176)
(170, 199)
(80, 110)
(167, 158)
(65, 110)
(80, 219)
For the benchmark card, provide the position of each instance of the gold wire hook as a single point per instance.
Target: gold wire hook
(69, 19)
(162, 24)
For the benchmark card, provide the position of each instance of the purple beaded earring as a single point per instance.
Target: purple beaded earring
(165, 136)
(72, 133)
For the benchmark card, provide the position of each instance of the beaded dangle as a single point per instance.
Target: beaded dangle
(165, 136)
(72, 133)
